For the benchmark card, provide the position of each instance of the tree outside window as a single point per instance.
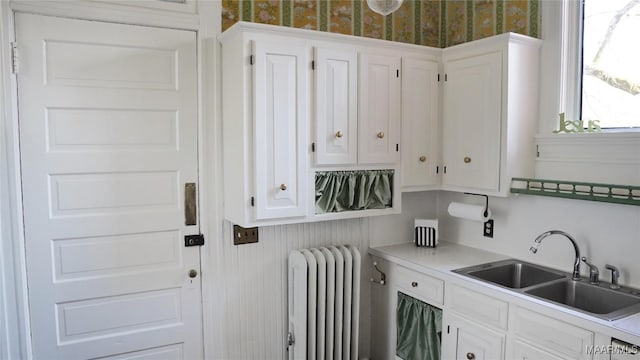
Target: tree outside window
(611, 63)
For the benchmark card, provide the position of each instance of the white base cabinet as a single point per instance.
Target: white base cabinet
(466, 340)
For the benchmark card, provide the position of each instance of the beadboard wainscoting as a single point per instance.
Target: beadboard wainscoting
(255, 284)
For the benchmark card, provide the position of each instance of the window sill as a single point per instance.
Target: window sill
(605, 157)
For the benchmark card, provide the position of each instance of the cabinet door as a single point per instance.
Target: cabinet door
(475, 342)
(379, 109)
(280, 74)
(336, 107)
(524, 351)
(419, 123)
(472, 122)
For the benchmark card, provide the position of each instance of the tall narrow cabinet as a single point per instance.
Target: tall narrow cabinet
(266, 114)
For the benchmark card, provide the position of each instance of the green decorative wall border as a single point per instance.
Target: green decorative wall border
(357, 18)
(286, 13)
(499, 17)
(421, 23)
(617, 194)
(443, 24)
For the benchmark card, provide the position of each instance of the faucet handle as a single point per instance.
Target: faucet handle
(615, 274)
(594, 273)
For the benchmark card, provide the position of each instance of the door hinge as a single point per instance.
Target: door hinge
(397, 73)
(537, 150)
(313, 147)
(253, 201)
(15, 59)
(448, 329)
(313, 64)
(194, 240)
(397, 147)
(290, 339)
(251, 60)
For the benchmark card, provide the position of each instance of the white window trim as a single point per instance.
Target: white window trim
(610, 156)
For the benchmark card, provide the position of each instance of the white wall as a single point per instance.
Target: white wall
(606, 233)
(254, 288)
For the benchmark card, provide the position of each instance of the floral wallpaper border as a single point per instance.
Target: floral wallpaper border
(437, 23)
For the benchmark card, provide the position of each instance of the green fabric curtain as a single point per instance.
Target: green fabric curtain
(419, 329)
(353, 190)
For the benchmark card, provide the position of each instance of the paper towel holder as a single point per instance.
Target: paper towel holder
(486, 202)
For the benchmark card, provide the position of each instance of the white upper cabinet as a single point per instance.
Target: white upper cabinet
(266, 114)
(420, 131)
(336, 82)
(379, 109)
(490, 107)
(280, 78)
(472, 98)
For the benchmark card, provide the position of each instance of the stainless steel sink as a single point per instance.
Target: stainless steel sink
(604, 302)
(515, 274)
(556, 286)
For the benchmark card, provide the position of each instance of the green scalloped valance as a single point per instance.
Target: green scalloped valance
(338, 191)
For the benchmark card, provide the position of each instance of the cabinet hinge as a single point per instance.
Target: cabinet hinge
(313, 147)
(251, 60)
(537, 150)
(438, 77)
(437, 169)
(397, 73)
(397, 147)
(15, 60)
(448, 329)
(445, 170)
(445, 77)
(313, 64)
(290, 339)
(253, 201)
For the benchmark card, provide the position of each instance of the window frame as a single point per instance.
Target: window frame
(608, 156)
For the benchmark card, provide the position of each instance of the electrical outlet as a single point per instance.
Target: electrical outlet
(244, 235)
(488, 228)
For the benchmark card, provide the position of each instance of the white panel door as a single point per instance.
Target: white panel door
(420, 138)
(281, 91)
(472, 122)
(379, 109)
(108, 129)
(336, 107)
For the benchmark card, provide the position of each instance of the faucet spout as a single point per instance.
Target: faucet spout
(576, 262)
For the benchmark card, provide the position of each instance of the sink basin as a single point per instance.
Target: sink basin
(557, 287)
(603, 302)
(512, 273)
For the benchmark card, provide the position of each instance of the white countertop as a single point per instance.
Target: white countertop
(441, 260)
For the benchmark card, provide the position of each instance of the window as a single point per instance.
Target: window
(610, 81)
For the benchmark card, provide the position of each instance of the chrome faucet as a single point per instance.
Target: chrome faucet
(615, 274)
(594, 273)
(576, 262)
